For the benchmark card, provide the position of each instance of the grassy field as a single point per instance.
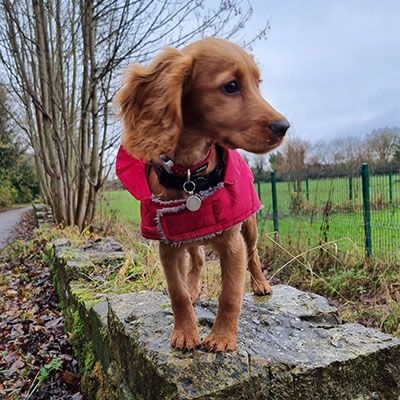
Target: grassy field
(347, 229)
(122, 206)
(327, 213)
(332, 210)
(339, 191)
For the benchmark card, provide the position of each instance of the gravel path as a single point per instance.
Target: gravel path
(8, 221)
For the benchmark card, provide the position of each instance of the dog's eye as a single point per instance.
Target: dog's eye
(231, 87)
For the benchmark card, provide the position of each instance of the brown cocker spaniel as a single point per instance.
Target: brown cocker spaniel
(184, 115)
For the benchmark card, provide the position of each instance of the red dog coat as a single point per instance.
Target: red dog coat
(223, 206)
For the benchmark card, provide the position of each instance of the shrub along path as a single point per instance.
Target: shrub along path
(36, 359)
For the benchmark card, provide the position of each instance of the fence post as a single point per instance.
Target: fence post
(367, 209)
(350, 188)
(390, 188)
(259, 196)
(307, 190)
(274, 204)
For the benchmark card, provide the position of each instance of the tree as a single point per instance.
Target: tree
(291, 160)
(8, 149)
(322, 153)
(382, 144)
(396, 156)
(7, 155)
(18, 183)
(61, 60)
(277, 162)
(348, 153)
(259, 166)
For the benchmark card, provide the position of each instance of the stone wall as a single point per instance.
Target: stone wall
(291, 346)
(43, 214)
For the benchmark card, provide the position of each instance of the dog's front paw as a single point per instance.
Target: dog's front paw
(219, 343)
(261, 287)
(183, 340)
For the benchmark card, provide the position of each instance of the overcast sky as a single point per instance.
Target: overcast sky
(332, 67)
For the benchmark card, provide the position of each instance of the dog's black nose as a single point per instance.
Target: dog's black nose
(279, 128)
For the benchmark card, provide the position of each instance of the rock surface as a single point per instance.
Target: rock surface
(291, 346)
(43, 214)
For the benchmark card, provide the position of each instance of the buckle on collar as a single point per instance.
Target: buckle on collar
(167, 163)
(172, 168)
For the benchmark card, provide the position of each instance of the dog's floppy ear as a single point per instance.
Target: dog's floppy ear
(150, 104)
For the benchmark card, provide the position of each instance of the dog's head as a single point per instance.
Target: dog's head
(210, 88)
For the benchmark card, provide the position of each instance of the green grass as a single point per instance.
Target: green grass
(337, 191)
(345, 228)
(342, 221)
(121, 205)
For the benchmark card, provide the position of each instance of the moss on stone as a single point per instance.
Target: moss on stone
(84, 295)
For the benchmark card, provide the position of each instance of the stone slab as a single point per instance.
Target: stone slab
(290, 347)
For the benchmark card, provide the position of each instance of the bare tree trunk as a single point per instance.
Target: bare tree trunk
(48, 129)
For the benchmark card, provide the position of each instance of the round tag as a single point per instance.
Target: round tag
(193, 203)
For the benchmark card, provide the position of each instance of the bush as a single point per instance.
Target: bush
(18, 182)
(8, 194)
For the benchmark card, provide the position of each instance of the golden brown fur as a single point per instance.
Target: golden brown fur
(180, 105)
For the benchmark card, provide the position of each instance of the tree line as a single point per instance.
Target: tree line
(299, 159)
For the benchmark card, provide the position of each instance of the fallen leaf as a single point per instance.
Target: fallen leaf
(70, 378)
(11, 293)
(16, 365)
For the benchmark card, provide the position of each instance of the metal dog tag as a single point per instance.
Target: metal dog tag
(193, 202)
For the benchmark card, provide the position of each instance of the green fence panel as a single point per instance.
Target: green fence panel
(332, 209)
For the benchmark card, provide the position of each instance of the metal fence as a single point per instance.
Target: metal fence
(357, 213)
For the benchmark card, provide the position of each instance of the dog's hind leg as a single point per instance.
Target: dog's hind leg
(185, 335)
(259, 283)
(197, 258)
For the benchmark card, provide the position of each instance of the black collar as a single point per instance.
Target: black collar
(202, 182)
(176, 169)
